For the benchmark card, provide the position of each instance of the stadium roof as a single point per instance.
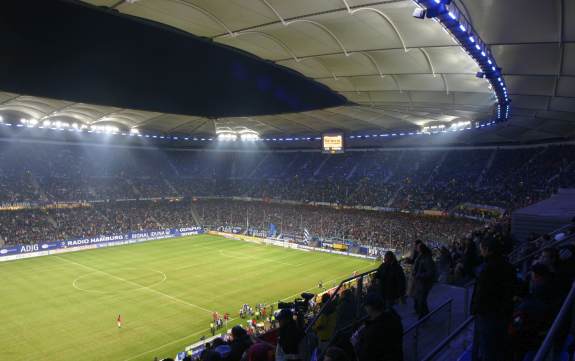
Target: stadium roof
(353, 118)
(398, 72)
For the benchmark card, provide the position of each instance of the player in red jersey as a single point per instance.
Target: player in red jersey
(119, 321)
(226, 319)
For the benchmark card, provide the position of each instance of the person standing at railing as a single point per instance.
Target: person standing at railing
(424, 274)
(492, 303)
(391, 279)
(411, 261)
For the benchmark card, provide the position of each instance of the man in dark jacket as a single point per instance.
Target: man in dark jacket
(290, 337)
(424, 273)
(492, 302)
(381, 336)
(391, 279)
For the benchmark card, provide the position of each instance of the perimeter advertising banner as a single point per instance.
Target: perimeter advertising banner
(46, 248)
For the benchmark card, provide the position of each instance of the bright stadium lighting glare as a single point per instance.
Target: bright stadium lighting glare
(134, 131)
(227, 137)
(462, 27)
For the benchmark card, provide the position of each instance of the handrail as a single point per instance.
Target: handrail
(421, 321)
(564, 309)
(448, 339)
(564, 312)
(332, 296)
(552, 244)
(552, 233)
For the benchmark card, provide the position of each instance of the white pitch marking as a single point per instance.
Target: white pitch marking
(75, 282)
(255, 258)
(139, 285)
(231, 319)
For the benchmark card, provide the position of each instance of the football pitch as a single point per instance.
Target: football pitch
(64, 307)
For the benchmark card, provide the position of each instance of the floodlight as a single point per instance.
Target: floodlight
(419, 13)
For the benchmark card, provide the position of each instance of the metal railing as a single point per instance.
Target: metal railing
(423, 333)
(524, 262)
(359, 290)
(548, 350)
(468, 292)
(422, 336)
(519, 253)
(449, 349)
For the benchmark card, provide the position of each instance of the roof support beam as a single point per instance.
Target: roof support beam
(383, 16)
(561, 50)
(10, 99)
(187, 123)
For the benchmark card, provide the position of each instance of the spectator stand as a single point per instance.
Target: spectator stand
(419, 336)
(557, 343)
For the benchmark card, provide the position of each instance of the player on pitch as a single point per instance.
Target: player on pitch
(119, 321)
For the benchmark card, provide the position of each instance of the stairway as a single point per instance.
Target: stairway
(394, 196)
(133, 186)
(486, 168)
(253, 172)
(195, 215)
(173, 167)
(392, 172)
(170, 186)
(316, 172)
(36, 187)
(351, 173)
(435, 169)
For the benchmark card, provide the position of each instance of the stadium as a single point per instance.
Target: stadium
(304, 180)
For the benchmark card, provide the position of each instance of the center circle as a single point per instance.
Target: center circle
(119, 280)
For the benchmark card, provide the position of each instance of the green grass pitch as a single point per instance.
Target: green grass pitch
(64, 307)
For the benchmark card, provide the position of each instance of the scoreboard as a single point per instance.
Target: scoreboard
(332, 143)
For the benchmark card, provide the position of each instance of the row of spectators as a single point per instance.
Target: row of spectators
(381, 229)
(513, 306)
(53, 224)
(406, 179)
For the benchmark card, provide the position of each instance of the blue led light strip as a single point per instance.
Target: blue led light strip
(449, 15)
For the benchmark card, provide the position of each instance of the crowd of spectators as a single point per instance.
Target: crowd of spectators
(514, 304)
(380, 229)
(404, 179)
(91, 220)
(383, 229)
